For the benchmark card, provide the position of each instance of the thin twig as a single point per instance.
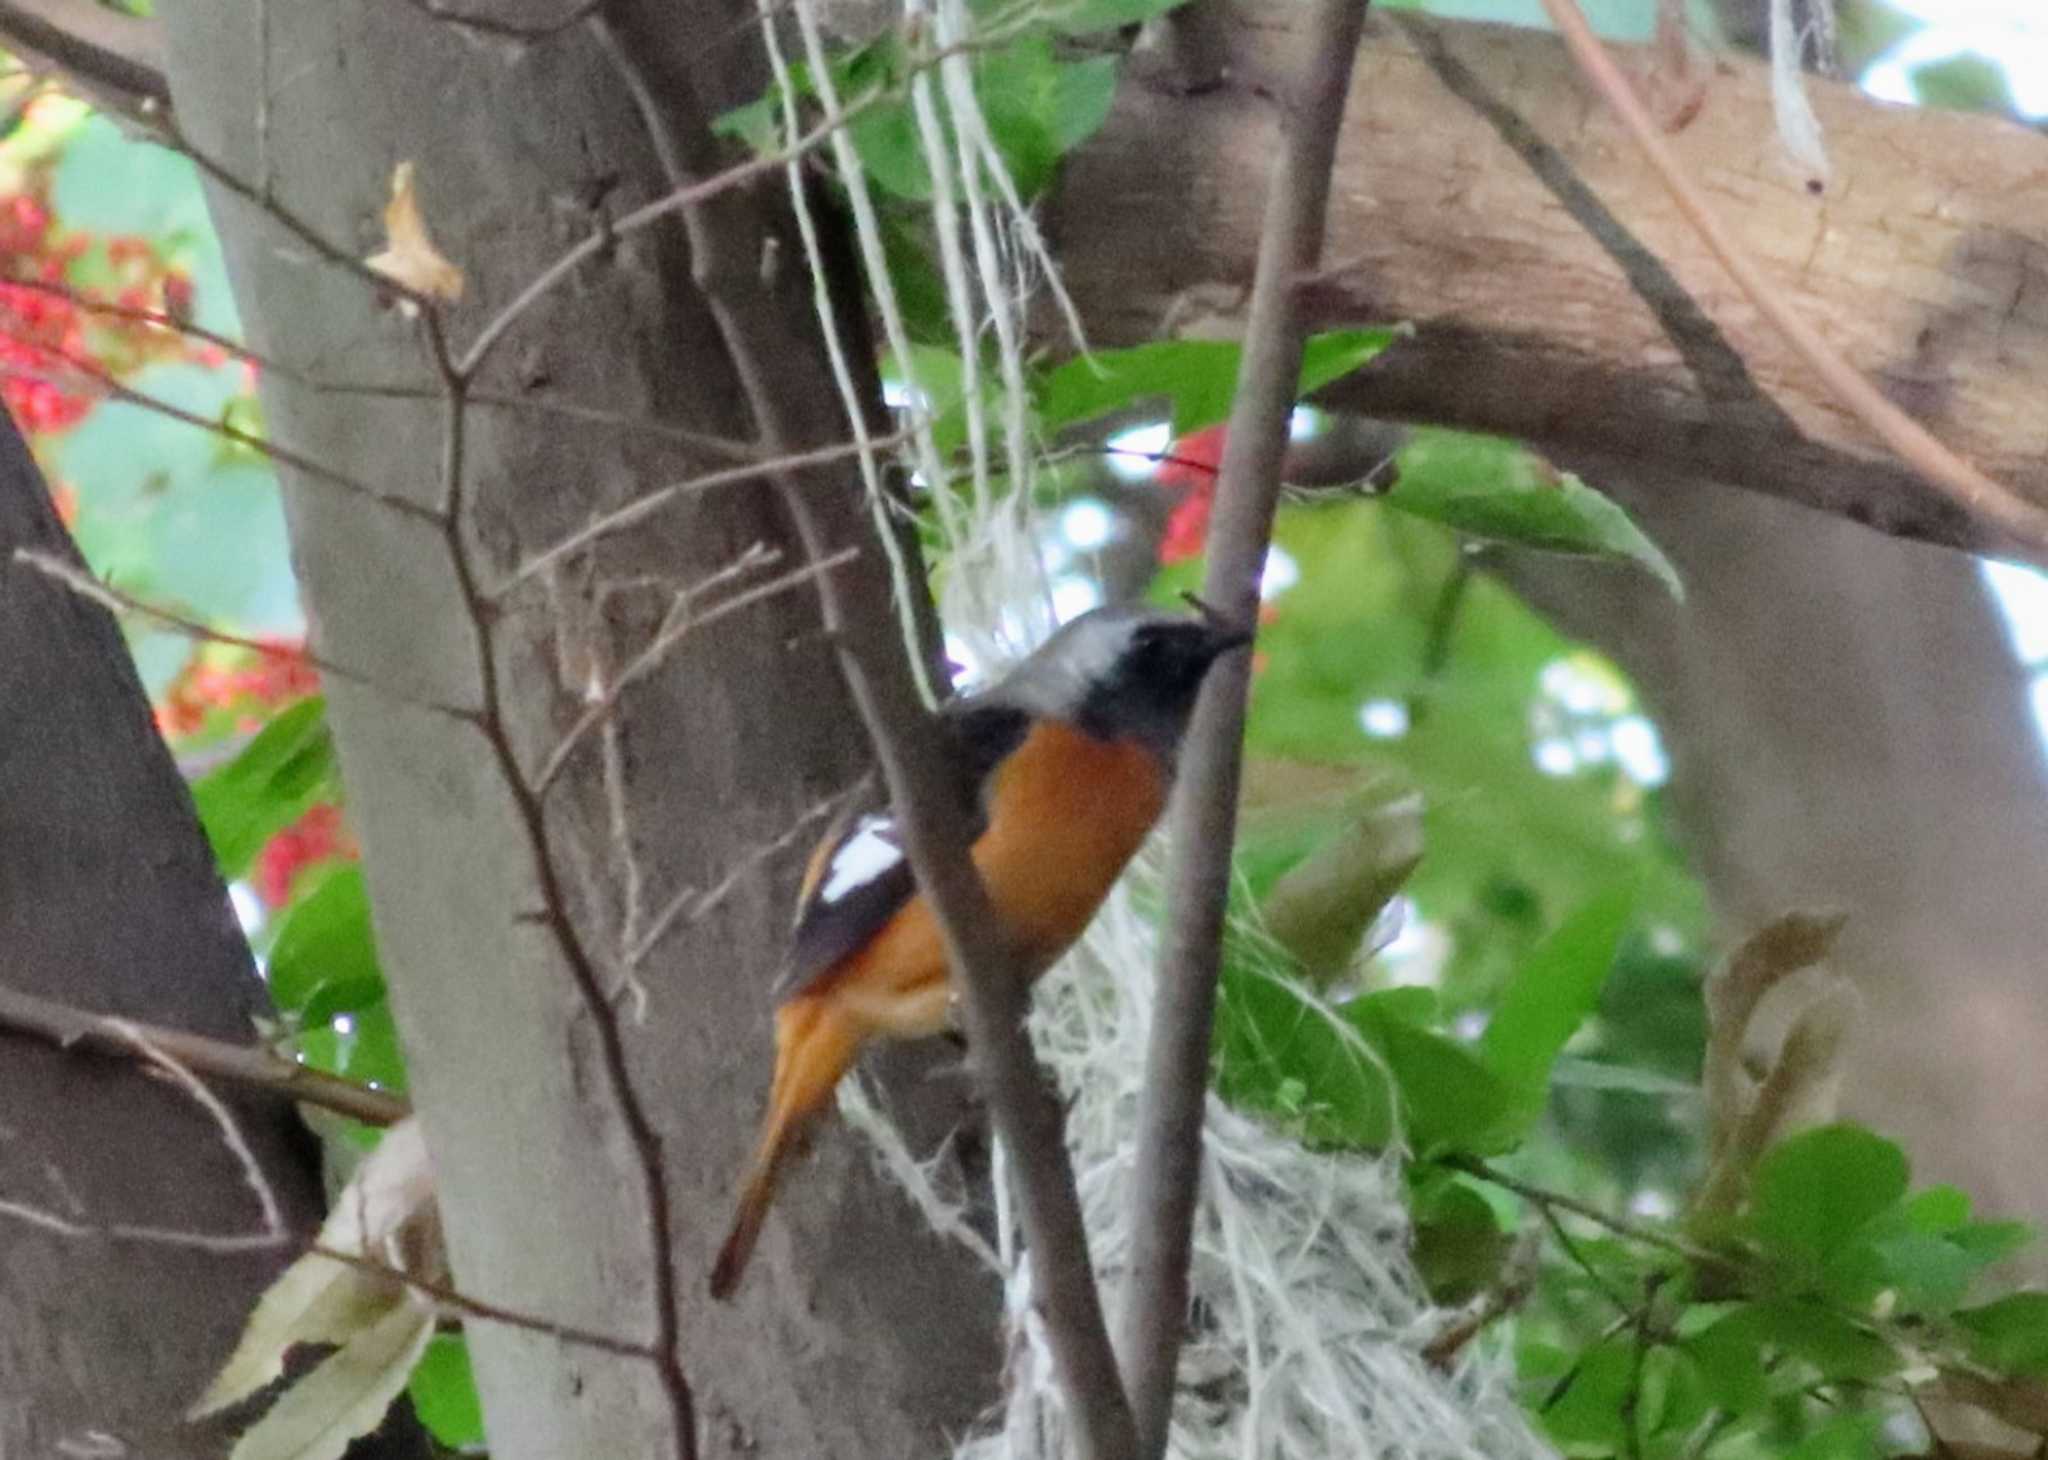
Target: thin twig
(116, 389)
(161, 1060)
(693, 903)
(650, 658)
(140, 1042)
(1620, 1226)
(1548, 1212)
(476, 1308)
(108, 51)
(81, 299)
(81, 582)
(170, 135)
(650, 1162)
(1176, 1084)
(1947, 472)
(676, 200)
(641, 508)
(550, 406)
(484, 23)
(254, 1065)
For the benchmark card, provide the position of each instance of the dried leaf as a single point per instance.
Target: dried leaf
(385, 1212)
(1321, 909)
(1769, 956)
(346, 1395)
(409, 255)
(1799, 1091)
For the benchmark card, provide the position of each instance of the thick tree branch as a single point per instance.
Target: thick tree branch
(1560, 296)
(115, 59)
(245, 1064)
(1176, 1085)
(2026, 522)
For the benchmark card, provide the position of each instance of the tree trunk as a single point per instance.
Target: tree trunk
(1485, 195)
(109, 902)
(587, 1115)
(1848, 728)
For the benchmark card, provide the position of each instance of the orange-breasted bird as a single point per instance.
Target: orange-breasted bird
(1066, 764)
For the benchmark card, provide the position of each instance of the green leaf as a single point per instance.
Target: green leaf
(1083, 17)
(1930, 1274)
(1199, 377)
(2010, 1334)
(1591, 1412)
(1572, 1073)
(1551, 996)
(1459, 1244)
(324, 960)
(444, 1393)
(277, 777)
(1730, 1359)
(1818, 1334)
(1449, 1100)
(1038, 108)
(1814, 1192)
(1938, 1209)
(1991, 1242)
(1500, 491)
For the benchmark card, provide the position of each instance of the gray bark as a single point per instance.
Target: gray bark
(1485, 195)
(858, 1333)
(109, 901)
(1848, 728)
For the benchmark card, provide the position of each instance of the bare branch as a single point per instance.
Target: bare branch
(650, 658)
(692, 903)
(482, 22)
(116, 58)
(529, 805)
(550, 406)
(1942, 468)
(84, 300)
(116, 389)
(677, 200)
(476, 1308)
(141, 1044)
(231, 1136)
(254, 1065)
(1176, 1085)
(857, 617)
(641, 508)
(81, 582)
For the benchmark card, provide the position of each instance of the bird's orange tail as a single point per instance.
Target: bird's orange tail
(815, 1044)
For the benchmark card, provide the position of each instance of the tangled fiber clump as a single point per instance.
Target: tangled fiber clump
(1310, 1320)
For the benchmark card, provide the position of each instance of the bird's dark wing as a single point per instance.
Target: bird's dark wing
(859, 877)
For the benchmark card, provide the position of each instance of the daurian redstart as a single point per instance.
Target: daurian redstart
(1066, 764)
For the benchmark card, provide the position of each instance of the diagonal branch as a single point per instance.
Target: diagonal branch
(857, 616)
(115, 58)
(1205, 819)
(1942, 468)
(254, 1065)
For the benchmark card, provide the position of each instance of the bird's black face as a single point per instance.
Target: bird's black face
(1148, 691)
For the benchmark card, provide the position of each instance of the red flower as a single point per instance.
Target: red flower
(1190, 467)
(261, 679)
(316, 837)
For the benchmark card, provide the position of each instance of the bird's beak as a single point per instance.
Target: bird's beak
(1223, 634)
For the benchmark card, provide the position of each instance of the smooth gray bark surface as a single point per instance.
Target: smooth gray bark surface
(109, 901)
(858, 1333)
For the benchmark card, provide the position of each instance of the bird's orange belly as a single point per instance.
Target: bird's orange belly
(1066, 814)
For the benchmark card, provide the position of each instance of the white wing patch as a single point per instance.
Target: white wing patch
(867, 854)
